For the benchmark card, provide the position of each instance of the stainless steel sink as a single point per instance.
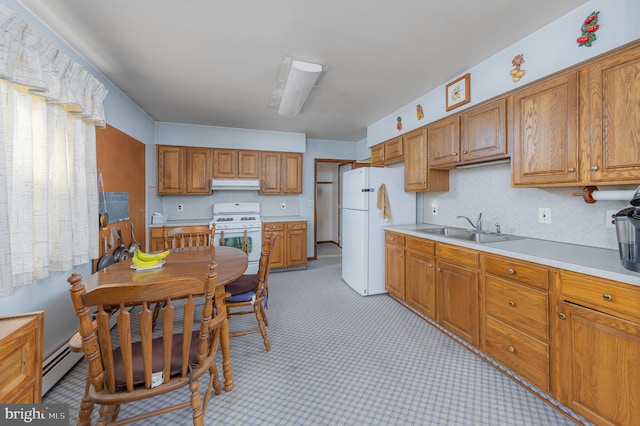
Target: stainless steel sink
(468, 235)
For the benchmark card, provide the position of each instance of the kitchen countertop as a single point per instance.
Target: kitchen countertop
(268, 219)
(594, 261)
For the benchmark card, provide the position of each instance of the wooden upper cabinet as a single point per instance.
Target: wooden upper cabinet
(270, 180)
(444, 142)
(377, 155)
(281, 173)
(393, 150)
(545, 133)
(610, 118)
(483, 132)
(198, 170)
(417, 174)
(170, 170)
(248, 164)
(225, 163)
(236, 164)
(291, 173)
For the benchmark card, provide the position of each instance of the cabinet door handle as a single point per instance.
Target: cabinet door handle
(562, 316)
(438, 269)
(594, 168)
(402, 255)
(512, 303)
(570, 170)
(430, 265)
(607, 297)
(465, 152)
(510, 271)
(512, 349)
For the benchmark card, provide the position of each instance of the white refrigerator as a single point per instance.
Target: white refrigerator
(362, 234)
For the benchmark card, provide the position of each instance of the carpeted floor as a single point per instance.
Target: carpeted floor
(338, 358)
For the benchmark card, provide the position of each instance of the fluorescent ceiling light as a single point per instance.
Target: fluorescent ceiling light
(302, 77)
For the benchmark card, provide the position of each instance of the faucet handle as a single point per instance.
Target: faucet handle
(498, 228)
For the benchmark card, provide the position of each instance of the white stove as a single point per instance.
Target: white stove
(233, 221)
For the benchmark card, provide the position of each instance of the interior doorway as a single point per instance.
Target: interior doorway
(328, 223)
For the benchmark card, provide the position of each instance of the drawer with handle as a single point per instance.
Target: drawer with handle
(517, 270)
(394, 238)
(523, 354)
(600, 294)
(519, 306)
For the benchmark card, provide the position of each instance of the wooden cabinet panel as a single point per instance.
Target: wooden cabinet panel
(518, 306)
(603, 295)
(597, 365)
(198, 170)
(377, 155)
(610, 118)
(270, 165)
(458, 300)
(458, 255)
(394, 270)
(290, 247)
(170, 173)
(483, 132)
(417, 174)
(248, 164)
(517, 270)
(444, 142)
(281, 173)
(21, 353)
(393, 150)
(225, 163)
(519, 352)
(291, 173)
(420, 279)
(545, 133)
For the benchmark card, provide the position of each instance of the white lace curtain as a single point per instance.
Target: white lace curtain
(48, 181)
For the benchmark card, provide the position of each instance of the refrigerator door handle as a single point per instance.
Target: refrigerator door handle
(368, 190)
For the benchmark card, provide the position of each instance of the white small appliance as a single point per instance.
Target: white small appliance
(363, 222)
(232, 221)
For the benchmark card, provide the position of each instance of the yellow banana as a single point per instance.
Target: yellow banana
(141, 263)
(152, 256)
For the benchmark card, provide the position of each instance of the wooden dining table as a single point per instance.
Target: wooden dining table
(231, 264)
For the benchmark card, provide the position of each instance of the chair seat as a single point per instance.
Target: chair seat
(244, 284)
(156, 344)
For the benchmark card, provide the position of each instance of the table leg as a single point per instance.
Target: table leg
(221, 309)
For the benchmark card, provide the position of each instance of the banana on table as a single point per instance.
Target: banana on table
(146, 260)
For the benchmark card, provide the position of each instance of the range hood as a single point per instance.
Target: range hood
(235, 184)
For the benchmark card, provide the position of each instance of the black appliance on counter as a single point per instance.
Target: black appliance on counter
(628, 231)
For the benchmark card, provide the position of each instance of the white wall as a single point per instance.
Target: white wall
(488, 189)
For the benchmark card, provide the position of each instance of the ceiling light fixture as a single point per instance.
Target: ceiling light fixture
(301, 79)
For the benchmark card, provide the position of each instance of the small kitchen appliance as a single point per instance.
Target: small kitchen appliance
(232, 221)
(628, 231)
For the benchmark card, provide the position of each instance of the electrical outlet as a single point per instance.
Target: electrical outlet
(608, 220)
(544, 215)
(434, 208)
(310, 203)
(180, 207)
(283, 205)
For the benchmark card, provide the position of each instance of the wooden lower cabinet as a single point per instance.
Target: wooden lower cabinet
(420, 278)
(290, 247)
(597, 364)
(394, 264)
(458, 291)
(21, 347)
(516, 317)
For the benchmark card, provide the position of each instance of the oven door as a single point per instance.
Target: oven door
(235, 238)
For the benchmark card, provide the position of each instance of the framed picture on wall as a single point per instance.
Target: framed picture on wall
(458, 92)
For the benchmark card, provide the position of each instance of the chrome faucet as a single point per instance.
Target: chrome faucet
(477, 226)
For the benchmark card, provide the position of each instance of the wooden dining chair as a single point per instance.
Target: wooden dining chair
(128, 364)
(252, 290)
(188, 237)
